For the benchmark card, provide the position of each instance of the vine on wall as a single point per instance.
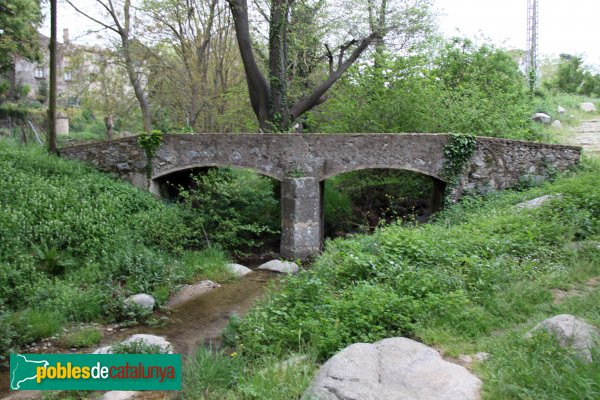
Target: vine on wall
(457, 153)
(150, 142)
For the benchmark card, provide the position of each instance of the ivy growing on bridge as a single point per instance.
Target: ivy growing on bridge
(150, 142)
(457, 153)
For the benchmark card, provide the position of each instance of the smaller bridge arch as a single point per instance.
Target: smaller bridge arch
(302, 162)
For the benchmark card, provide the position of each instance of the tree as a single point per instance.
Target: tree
(119, 14)
(52, 147)
(196, 60)
(570, 74)
(269, 95)
(19, 20)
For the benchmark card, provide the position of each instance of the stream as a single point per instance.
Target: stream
(195, 323)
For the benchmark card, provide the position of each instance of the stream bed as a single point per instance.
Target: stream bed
(195, 323)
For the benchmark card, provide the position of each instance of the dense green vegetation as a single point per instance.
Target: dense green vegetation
(460, 88)
(473, 280)
(75, 242)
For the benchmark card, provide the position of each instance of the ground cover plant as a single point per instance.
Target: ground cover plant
(75, 242)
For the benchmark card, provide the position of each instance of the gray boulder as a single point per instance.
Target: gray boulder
(541, 118)
(560, 110)
(556, 124)
(284, 267)
(538, 201)
(392, 369)
(238, 269)
(570, 331)
(142, 300)
(588, 107)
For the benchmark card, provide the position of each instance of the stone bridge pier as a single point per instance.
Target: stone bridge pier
(301, 217)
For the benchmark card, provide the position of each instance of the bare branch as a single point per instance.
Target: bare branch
(330, 58)
(112, 28)
(343, 49)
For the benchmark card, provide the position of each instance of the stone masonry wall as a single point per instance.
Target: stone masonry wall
(496, 164)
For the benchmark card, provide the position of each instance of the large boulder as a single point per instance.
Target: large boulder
(392, 369)
(572, 332)
(142, 300)
(541, 118)
(238, 269)
(285, 267)
(588, 107)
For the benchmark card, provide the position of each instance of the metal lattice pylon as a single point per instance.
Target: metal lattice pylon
(531, 52)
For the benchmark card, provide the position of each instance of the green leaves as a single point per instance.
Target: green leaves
(19, 20)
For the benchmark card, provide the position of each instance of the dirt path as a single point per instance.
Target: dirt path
(587, 135)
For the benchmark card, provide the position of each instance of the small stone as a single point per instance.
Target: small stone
(151, 340)
(103, 350)
(142, 300)
(238, 270)
(560, 110)
(588, 107)
(109, 329)
(541, 118)
(469, 358)
(556, 124)
(284, 267)
(118, 395)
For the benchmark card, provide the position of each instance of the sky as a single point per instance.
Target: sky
(565, 26)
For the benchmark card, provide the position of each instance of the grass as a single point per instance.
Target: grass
(218, 374)
(80, 337)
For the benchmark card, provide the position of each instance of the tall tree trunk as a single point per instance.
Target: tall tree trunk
(278, 107)
(52, 147)
(258, 86)
(108, 123)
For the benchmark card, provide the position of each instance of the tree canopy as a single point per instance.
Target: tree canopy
(19, 20)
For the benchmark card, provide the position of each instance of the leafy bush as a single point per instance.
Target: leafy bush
(462, 88)
(232, 208)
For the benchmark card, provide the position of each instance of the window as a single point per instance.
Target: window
(68, 76)
(39, 73)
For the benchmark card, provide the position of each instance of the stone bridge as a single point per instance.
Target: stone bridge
(303, 162)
